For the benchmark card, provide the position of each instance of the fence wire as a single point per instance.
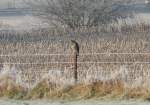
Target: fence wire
(30, 73)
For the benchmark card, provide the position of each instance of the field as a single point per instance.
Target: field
(113, 63)
(109, 64)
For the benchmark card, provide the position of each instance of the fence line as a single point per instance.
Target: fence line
(86, 70)
(77, 62)
(82, 54)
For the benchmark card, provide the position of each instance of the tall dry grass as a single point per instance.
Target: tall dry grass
(106, 63)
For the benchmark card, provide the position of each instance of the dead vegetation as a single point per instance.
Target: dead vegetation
(37, 54)
(8, 88)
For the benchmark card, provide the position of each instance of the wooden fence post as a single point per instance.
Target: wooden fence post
(75, 54)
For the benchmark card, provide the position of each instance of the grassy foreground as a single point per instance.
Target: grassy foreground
(97, 90)
(8, 88)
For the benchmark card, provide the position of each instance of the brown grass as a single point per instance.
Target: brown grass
(19, 48)
(10, 89)
(80, 91)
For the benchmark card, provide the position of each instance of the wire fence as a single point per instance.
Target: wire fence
(30, 62)
(32, 72)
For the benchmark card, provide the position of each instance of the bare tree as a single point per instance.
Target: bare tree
(76, 13)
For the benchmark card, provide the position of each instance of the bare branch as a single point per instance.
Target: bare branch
(77, 13)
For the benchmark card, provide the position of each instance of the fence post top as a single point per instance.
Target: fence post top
(75, 47)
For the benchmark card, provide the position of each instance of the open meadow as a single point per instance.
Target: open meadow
(94, 65)
(38, 65)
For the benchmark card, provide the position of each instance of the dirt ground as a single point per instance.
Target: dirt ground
(82, 102)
